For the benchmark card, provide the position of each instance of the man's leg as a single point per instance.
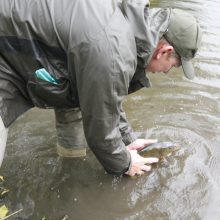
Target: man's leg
(70, 135)
(3, 140)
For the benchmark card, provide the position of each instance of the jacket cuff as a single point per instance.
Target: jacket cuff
(124, 170)
(129, 138)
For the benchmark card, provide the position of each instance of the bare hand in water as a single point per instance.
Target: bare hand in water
(139, 165)
(140, 144)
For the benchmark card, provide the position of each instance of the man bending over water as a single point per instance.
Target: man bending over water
(82, 58)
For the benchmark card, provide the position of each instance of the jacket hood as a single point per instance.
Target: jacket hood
(148, 26)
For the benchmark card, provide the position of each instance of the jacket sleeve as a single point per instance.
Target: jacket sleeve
(101, 84)
(126, 130)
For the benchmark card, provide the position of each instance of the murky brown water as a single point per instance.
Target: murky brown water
(187, 187)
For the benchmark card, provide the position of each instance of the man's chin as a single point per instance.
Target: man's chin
(148, 70)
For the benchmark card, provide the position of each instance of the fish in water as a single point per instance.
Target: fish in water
(160, 150)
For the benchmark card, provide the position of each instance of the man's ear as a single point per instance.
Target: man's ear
(163, 50)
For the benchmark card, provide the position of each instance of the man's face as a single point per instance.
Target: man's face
(163, 64)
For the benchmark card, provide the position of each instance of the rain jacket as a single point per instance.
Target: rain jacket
(94, 50)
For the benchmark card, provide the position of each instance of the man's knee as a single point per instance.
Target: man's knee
(68, 115)
(70, 133)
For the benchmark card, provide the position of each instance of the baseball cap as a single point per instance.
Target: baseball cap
(184, 34)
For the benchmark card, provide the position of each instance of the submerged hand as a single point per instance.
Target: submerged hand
(138, 164)
(140, 144)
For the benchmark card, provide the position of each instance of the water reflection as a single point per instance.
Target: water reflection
(187, 187)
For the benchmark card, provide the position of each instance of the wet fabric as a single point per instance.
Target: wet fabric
(69, 127)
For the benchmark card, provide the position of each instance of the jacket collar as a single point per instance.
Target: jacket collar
(148, 26)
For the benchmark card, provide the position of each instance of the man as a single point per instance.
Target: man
(82, 58)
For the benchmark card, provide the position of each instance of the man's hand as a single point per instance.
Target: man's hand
(138, 164)
(140, 144)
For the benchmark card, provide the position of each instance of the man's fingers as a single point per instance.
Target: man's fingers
(146, 168)
(143, 170)
(139, 164)
(149, 160)
(150, 141)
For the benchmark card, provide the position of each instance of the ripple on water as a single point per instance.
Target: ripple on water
(182, 187)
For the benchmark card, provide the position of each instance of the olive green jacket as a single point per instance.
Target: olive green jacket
(96, 51)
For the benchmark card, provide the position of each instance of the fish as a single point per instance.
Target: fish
(161, 150)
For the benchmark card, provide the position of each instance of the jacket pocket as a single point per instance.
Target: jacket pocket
(50, 94)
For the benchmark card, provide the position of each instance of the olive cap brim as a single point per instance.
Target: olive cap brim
(188, 69)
